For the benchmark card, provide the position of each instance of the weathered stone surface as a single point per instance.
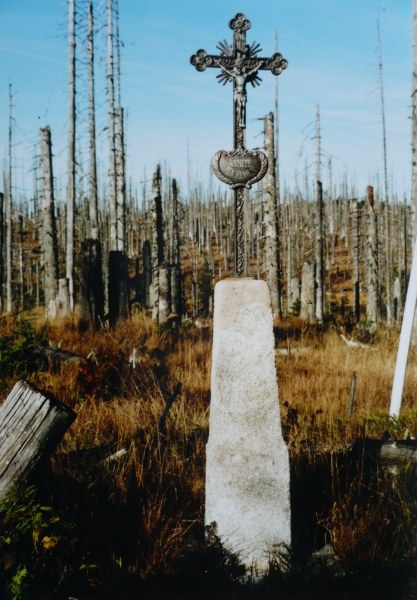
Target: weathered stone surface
(247, 470)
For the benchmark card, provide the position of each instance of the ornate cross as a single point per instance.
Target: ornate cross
(240, 168)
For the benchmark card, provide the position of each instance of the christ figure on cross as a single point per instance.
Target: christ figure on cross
(239, 75)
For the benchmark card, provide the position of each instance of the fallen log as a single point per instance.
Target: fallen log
(56, 357)
(31, 426)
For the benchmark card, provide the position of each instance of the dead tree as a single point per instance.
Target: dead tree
(120, 183)
(9, 218)
(120, 157)
(356, 220)
(118, 298)
(49, 245)
(319, 230)
(175, 270)
(112, 137)
(372, 305)
(118, 293)
(91, 311)
(414, 130)
(271, 224)
(147, 274)
(308, 297)
(1, 249)
(93, 190)
(387, 233)
(71, 155)
(157, 242)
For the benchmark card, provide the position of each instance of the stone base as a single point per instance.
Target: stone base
(247, 465)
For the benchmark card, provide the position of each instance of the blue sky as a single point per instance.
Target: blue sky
(178, 116)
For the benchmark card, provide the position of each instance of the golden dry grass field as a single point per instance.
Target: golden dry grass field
(136, 518)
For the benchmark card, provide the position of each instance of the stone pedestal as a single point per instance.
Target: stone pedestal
(247, 465)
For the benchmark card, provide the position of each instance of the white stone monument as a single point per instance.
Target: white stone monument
(247, 465)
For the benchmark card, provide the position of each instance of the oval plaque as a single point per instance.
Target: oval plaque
(240, 168)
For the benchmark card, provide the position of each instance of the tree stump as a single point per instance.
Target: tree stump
(118, 293)
(32, 424)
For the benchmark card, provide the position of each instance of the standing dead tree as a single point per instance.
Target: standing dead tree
(175, 266)
(49, 244)
(1, 249)
(157, 247)
(71, 154)
(319, 229)
(356, 222)
(91, 311)
(387, 232)
(9, 218)
(93, 189)
(271, 225)
(372, 305)
(118, 292)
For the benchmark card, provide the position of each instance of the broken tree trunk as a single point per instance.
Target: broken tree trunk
(118, 292)
(32, 424)
(91, 286)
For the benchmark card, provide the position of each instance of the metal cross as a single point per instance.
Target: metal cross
(239, 63)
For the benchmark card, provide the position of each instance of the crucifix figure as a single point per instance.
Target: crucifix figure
(240, 64)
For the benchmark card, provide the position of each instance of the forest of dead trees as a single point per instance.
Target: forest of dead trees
(104, 250)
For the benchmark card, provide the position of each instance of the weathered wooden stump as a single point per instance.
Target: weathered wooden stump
(31, 425)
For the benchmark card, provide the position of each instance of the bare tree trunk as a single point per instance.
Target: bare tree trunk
(387, 234)
(1, 249)
(414, 126)
(21, 280)
(120, 184)
(319, 256)
(271, 220)
(147, 274)
(118, 295)
(48, 238)
(91, 311)
(176, 295)
(112, 128)
(120, 146)
(118, 287)
(157, 244)
(414, 154)
(163, 293)
(9, 218)
(356, 219)
(91, 286)
(93, 189)
(71, 154)
(319, 230)
(372, 306)
(307, 305)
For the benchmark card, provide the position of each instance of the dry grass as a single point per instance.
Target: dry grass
(133, 516)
